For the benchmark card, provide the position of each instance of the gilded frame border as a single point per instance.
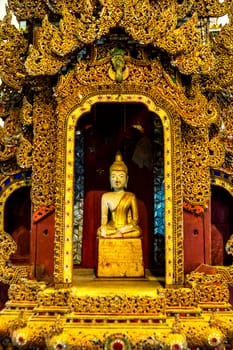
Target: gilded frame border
(65, 167)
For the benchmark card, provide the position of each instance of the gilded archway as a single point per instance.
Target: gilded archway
(78, 100)
(138, 81)
(173, 202)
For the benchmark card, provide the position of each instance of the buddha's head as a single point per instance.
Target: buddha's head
(118, 174)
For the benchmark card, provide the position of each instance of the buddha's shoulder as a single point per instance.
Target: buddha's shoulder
(107, 195)
(130, 194)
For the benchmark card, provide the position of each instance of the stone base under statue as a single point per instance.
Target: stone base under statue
(120, 257)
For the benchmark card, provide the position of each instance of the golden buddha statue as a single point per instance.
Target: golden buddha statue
(120, 204)
(119, 236)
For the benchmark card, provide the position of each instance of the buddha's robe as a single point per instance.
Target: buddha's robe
(124, 217)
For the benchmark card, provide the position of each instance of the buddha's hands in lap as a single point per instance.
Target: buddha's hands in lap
(115, 232)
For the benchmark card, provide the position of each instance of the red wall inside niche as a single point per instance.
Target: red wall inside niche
(205, 236)
(107, 129)
(17, 222)
(42, 246)
(222, 224)
(197, 240)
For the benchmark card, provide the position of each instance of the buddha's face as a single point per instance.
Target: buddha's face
(118, 180)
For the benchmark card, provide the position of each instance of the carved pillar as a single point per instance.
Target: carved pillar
(43, 183)
(44, 151)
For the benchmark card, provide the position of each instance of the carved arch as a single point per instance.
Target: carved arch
(221, 179)
(8, 186)
(67, 120)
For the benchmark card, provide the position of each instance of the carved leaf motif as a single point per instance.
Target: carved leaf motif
(40, 60)
(66, 39)
(217, 153)
(7, 246)
(26, 112)
(195, 174)
(10, 136)
(12, 70)
(183, 39)
(28, 9)
(211, 8)
(24, 154)
(199, 60)
(147, 25)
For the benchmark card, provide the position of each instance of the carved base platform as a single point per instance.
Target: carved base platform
(95, 314)
(120, 257)
(126, 313)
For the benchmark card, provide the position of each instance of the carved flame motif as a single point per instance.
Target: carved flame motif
(12, 48)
